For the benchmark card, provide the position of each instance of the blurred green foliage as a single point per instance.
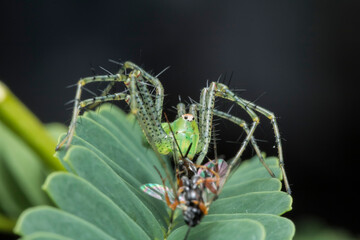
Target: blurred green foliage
(26, 157)
(312, 228)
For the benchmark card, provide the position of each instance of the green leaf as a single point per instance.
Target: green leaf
(258, 202)
(221, 229)
(108, 164)
(99, 205)
(48, 219)
(257, 185)
(44, 236)
(275, 227)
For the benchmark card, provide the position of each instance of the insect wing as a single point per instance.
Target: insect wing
(221, 169)
(157, 191)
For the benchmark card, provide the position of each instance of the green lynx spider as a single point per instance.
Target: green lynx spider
(192, 127)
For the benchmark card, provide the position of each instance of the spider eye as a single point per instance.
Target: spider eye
(188, 117)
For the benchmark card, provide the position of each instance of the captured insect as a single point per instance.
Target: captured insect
(193, 194)
(145, 95)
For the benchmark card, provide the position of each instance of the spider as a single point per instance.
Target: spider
(192, 128)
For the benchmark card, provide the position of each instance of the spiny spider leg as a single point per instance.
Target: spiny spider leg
(181, 109)
(159, 97)
(81, 83)
(238, 121)
(206, 115)
(149, 112)
(206, 110)
(103, 93)
(146, 118)
(207, 102)
(108, 88)
(147, 100)
(193, 111)
(106, 98)
(272, 118)
(243, 124)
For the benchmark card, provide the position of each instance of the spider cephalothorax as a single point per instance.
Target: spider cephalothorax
(186, 132)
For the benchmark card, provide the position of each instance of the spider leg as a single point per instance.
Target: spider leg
(243, 124)
(206, 108)
(81, 83)
(193, 111)
(159, 97)
(153, 80)
(146, 117)
(141, 103)
(201, 110)
(147, 100)
(181, 109)
(148, 111)
(106, 98)
(107, 89)
(272, 118)
(103, 93)
(207, 101)
(193, 108)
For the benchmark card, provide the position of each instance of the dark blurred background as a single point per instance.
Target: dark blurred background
(299, 59)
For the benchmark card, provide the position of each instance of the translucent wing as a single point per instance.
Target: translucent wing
(220, 168)
(158, 191)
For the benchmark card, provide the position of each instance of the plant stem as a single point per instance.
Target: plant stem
(18, 118)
